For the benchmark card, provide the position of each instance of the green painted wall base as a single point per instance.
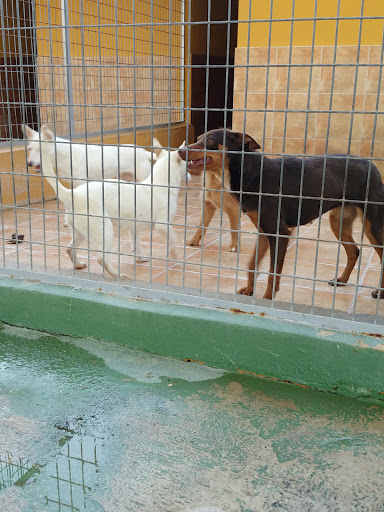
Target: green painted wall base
(349, 364)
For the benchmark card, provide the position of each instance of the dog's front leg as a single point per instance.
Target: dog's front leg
(208, 213)
(232, 209)
(66, 223)
(261, 248)
(172, 243)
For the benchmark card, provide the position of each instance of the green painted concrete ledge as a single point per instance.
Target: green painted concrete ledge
(348, 364)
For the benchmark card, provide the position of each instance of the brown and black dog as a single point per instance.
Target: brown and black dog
(344, 186)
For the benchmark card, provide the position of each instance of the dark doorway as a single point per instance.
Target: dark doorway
(18, 80)
(218, 80)
(215, 110)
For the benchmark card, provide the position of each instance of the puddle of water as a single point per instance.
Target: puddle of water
(16, 471)
(136, 363)
(66, 481)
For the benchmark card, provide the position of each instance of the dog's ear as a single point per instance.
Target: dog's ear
(29, 133)
(157, 147)
(250, 143)
(176, 155)
(184, 145)
(46, 133)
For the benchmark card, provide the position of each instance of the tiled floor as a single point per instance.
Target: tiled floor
(212, 269)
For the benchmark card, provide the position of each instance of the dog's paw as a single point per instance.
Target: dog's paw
(376, 294)
(80, 265)
(336, 282)
(232, 248)
(141, 259)
(193, 242)
(123, 276)
(247, 290)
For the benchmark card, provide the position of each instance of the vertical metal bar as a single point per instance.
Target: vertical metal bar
(186, 72)
(346, 169)
(152, 100)
(169, 137)
(223, 159)
(134, 126)
(325, 156)
(100, 67)
(369, 175)
(278, 234)
(84, 67)
(8, 103)
(297, 235)
(118, 143)
(205, 130)
(258, 230)
(68, 65)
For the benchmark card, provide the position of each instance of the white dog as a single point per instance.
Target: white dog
(96, 207)
(91, 161)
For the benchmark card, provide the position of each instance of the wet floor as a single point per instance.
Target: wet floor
(92, 426)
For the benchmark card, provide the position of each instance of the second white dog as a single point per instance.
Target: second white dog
(95, 208)
(84, 162)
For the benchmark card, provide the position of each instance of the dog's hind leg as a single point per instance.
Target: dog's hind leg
(276, 256)
(101, 231)
(377, 241)
(346, 238)
(77, 239)
(208, 213)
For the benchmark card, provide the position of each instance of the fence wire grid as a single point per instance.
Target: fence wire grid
(104, 74)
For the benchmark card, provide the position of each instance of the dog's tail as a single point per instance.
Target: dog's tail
(48, 170)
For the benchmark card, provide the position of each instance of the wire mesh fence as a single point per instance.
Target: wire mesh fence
(122, 84)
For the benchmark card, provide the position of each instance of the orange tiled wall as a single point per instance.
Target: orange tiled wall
(103, 93)
(321, 98)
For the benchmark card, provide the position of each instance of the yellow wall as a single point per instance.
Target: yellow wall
(94, 12)
(348, 31)
(49, 38)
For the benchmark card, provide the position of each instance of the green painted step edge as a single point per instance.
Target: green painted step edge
(349, 364)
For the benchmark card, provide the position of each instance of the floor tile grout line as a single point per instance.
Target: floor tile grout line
(201, 248)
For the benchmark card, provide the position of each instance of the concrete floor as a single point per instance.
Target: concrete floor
(87, 425)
